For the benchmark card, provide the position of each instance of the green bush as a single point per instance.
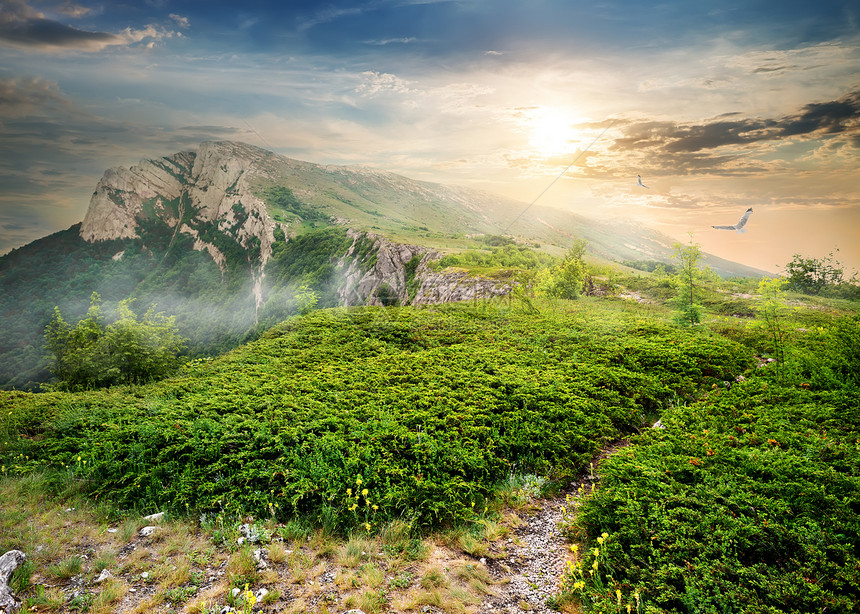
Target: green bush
(128, 351)
(747, 502)
(349, 417)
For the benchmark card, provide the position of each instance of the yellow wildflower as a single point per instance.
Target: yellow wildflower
(364, 492)
(348, 492)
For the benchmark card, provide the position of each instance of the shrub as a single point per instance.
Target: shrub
(430, 419)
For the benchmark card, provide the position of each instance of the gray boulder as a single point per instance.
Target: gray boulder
(9, 562)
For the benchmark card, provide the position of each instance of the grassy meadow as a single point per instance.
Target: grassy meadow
(395, 425)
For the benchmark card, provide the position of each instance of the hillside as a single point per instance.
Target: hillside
(228, 238)
(352, 422)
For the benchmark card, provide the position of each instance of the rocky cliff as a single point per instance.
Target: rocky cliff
(185, 191)
(212, 196)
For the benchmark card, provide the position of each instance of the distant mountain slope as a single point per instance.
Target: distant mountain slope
(232, 238)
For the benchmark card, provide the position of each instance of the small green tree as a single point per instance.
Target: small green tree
(306, 299)
(771, 308)
(688, 281)
(565, 279)
(129, 351)
(812, 275)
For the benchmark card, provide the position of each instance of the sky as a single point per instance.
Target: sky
(719, 106)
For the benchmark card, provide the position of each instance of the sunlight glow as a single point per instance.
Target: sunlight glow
(552, 131)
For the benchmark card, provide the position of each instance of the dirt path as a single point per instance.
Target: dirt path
(539, 552)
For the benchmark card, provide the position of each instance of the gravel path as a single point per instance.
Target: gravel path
(536, 563)
(538, 552)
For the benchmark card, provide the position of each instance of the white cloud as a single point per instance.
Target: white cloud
(327, 15)
(375, 83)
(75, 11)
(390, 41)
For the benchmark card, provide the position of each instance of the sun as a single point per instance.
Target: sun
(552, 131)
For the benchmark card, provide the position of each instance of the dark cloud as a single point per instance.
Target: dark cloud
(718, 134)
(833, 117)
(39, 32)
(23, 26)
(818, 119)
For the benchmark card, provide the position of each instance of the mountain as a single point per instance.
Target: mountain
(232, 238)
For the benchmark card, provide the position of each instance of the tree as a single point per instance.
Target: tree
(128, 351)
(74, 348)
(565, 279)
(306, 299)
(771, 308)
(688, 281)
(812, 275)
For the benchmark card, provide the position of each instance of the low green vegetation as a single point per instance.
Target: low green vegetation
(381, 424)
(749, 499)
(355, 417)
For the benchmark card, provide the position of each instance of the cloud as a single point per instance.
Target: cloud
(22, 97)
(329, 14)
(375, 83)
(690, 145)
(832, 117)
(23, 26)
(780, 62)
(181, 21)
(389, 41)
(70, 9)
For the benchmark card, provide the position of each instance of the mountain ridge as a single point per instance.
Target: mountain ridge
(222, 173)
(232, 238)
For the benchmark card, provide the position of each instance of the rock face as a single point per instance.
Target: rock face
(213, 179)
(186, 191)
(207, 195)
(403, 273)
(190, 192)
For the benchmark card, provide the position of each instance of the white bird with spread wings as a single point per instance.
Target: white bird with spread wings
(739, 227)
(640, 181)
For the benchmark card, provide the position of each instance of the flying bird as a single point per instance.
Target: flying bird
(740, 225)
(640, 181)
